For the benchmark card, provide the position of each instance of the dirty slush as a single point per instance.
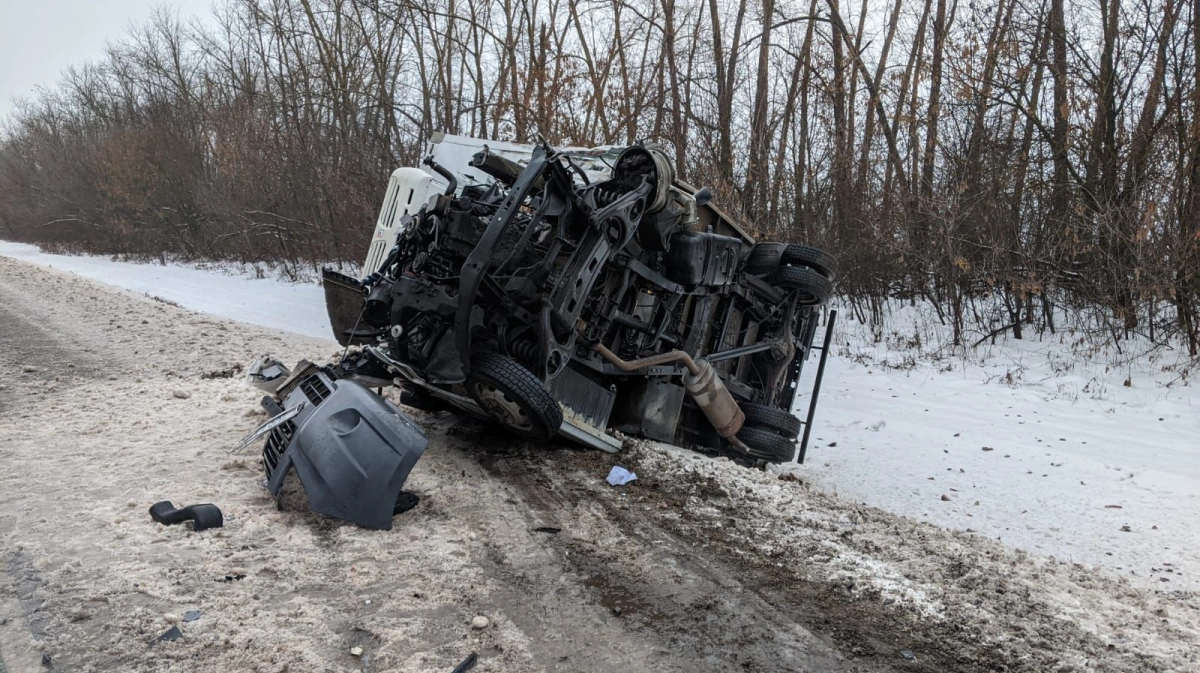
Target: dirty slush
(521, 554)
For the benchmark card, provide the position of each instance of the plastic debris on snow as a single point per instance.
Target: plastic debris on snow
(619, 476)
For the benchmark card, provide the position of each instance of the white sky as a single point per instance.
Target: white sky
(39, 39)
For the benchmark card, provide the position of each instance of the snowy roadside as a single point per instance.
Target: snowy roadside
(1037, 444)
(216, 289)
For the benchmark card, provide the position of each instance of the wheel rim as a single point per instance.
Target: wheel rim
(503, 408)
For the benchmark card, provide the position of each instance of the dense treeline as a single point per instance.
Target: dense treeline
(1030, 151)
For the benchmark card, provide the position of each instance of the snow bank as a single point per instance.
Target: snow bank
(294, 307)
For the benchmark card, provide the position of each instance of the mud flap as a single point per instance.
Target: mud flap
(344, 302)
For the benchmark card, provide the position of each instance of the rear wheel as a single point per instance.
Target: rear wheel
(814, 258)
(772, 418)
(513, 396)
(767, 444)
(768, 258)
(810, 286)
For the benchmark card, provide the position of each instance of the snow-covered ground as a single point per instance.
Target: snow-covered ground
(1036, 443)
(215, 289)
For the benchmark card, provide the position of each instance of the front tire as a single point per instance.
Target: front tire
(513, 396)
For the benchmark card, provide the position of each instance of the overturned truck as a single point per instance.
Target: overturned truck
(572, 291)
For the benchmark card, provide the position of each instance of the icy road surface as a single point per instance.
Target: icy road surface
(1035, 443)
(111, 401)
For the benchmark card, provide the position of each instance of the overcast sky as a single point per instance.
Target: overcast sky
(39, 39)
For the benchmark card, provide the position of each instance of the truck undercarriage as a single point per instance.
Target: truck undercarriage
(576, 291)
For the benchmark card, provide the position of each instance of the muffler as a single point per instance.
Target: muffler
(714, 399)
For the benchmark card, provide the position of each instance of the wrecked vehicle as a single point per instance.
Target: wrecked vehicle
(567, 292)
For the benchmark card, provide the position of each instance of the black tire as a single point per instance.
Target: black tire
(513, 396)
(772, 418)
(813, 288)
(814, 258)
(767, 444)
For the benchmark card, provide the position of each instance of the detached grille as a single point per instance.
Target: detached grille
(315, 389)
(277, 441)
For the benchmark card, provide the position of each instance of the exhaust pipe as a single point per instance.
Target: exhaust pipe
(701, 382)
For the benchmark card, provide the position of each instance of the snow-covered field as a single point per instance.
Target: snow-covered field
(1036, 443)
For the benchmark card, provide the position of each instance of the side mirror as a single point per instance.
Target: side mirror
(703, 196)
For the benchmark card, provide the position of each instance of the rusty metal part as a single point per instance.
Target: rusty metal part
(713, 398)
(652, 361)
(737, 444)
(702, 382)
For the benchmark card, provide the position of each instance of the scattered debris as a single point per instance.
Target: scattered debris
(351, 449)
(908, 654)
(480, 622)
(547, 529)
(404, 502)
(202, 516)
(267, 374)
(170, 634)
(192, 615)
(230, 578)
(356, 651)
(1112, 507)
(988, 448)
(467, 664)
(1126, 529)
(619, 476)
(226, 373)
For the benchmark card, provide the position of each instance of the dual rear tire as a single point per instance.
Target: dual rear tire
(806, 270)
(769, 433)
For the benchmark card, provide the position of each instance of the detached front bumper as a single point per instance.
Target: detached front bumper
(351, 449)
